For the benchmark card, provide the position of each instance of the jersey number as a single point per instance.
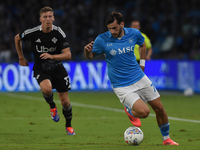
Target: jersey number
(153, 87)
(67, 81)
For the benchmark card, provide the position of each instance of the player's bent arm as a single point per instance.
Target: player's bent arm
(142, 55)
(89, 55)
(65, 55)
(88, 51)
(18, 45)
(142, 50)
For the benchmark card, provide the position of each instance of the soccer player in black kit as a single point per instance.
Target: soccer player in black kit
(50, 47)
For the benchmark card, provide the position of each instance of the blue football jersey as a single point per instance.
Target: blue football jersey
(123, 69)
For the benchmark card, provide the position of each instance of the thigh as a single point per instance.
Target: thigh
(130, 100)
(134, 102)
(41, 76)
(60, 80)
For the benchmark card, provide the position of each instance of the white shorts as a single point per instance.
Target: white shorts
(143, 89)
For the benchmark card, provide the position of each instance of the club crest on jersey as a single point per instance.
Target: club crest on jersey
(113, 52)
(54, 40)
(130, 40)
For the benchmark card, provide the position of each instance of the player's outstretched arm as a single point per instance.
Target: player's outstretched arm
(88, 50)
(18, 45)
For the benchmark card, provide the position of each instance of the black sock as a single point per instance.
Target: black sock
(49, 100)
(67, 112)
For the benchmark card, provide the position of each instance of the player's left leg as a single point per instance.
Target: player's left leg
(162, 120)
(67, 111)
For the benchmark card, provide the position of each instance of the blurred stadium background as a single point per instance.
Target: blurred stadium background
(173, 27)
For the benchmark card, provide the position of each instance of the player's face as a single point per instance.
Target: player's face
(47, 19)
(116, 29)
(135, 25)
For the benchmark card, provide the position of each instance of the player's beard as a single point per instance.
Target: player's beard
(119, 33)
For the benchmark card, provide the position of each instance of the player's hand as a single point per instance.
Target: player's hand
(89, 46)
(23, 62)
(46, 56)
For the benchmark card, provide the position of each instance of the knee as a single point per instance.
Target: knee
(65, 102)
(47, 91)
(144, 113)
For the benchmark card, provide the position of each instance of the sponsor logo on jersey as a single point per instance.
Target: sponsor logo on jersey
(42, 49)
(54, 40)
(126, 49)
(109, 44)
(38, 41)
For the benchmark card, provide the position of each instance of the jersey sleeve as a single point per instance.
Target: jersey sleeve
(147, 41)
(63, 42)
(97, 46)
(27, 34)
(140, 38)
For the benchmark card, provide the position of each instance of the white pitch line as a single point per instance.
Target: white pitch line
(91, 106)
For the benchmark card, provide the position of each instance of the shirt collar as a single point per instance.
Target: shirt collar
(125, 32)
(41, 27)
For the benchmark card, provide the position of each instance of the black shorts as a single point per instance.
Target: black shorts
(59, 78)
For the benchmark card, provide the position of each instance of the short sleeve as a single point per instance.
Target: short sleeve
(97, 46)
(63, 43)
(140, 38)
(24, 36)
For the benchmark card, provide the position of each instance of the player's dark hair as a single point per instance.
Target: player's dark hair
(135, 20)
(114, 16)
(45, 9)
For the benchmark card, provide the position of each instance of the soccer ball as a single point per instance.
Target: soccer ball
(188, 92)
(133, 136)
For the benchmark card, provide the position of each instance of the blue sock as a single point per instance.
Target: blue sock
(164, 129)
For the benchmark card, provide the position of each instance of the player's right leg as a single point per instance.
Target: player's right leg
(44, 80)
(46, 88)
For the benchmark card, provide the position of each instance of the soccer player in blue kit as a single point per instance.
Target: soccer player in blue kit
(129, 82)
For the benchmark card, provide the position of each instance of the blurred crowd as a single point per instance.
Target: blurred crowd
(173, 26)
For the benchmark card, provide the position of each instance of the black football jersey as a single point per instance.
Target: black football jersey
(53, 43)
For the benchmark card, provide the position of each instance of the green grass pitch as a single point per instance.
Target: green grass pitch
(98, 120)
